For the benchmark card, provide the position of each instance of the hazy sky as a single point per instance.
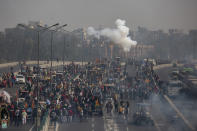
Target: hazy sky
(153, 14)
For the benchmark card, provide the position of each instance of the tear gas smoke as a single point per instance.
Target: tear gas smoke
(118, 36)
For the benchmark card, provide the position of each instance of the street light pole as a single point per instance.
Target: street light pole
(63, 57)
(51, 59)
(64, 53)
(38, 68)
(52, 51)
(38, 51)
(38, 71)
(38, 63)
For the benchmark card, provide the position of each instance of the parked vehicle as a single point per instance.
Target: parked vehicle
(20, 79)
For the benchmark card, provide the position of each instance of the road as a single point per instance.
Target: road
(108, 122)
(164, 72)
(188, 108)
(165, 118)
(185, 105)
(161, 111)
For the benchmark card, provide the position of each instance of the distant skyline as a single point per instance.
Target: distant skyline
(151, 14)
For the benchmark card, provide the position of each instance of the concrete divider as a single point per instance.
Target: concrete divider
(55, 63)
(16, 63)
(164, 66)
(8, 64)
(161, 66)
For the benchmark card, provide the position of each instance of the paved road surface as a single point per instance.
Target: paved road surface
(188, 108)
(108, 122)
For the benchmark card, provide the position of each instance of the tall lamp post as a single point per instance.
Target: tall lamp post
(52, 32)
(38, 67)
(63, 54)
(38, 39)
(38, 61)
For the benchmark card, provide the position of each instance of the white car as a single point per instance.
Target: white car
(20, 79)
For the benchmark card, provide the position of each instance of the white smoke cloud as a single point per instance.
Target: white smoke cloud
(118, 35)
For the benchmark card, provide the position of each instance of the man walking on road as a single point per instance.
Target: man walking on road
(24, 117)
(109, 107)
(17, 115)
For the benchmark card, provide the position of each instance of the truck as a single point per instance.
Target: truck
(174, 86)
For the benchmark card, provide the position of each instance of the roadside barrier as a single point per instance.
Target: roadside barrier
(162, 66)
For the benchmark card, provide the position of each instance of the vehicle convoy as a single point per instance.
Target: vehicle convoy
(174, 86)
(141, 115)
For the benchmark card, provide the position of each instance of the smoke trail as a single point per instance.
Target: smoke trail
(118, 35)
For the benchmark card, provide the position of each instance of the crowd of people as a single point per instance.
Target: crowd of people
(78, 92)
(7, 80)
(145, 82)
(74, 94)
